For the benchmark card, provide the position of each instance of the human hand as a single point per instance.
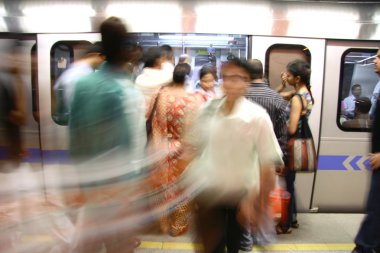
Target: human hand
(284, 77)
(280, 171)
(374, 160)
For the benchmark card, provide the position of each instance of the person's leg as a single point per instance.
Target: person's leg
(211, 226)
(289, 179)
(368, 236)
(237, 237)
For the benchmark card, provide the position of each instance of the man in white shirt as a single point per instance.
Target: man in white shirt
(349, 102)
(238, 152)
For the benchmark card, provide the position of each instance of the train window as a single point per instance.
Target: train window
(356, 87)
(34, 82)
(278, 56)
(62, 54)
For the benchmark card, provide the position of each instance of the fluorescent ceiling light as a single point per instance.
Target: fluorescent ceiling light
(196, 37)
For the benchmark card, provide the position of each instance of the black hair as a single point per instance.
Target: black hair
(167, 52)
(363, 104)
(256, 69)
(355, 86)
(180, 72)
(208, 69)
(302, 69)
(151, 56)
(114, 35)
(241, 63)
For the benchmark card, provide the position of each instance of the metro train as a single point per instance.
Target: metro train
(338, 38)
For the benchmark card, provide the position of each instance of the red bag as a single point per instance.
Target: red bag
(302, 156)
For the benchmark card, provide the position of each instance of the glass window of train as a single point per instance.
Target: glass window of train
(62, 54)
(34, 82)
(356, 86)
(278, 56)
(201, 48)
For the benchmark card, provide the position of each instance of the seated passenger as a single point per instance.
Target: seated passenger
(349, 102)
(361, 119)
(207, 85)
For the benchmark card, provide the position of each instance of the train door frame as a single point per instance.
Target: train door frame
(342, 154)
(259, 46)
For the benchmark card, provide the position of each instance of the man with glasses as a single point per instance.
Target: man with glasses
(238, 152)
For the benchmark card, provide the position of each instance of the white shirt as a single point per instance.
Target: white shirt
(374, 97)
(349, 105)
(150, 81)
(234, 146)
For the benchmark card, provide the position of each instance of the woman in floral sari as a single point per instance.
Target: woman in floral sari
(172, 113)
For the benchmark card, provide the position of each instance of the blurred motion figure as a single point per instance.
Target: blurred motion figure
(12, 105)
(65, 85)
(236, 155)
(368, 238)
(107, 133)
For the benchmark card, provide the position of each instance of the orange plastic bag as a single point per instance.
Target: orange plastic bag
(279, 201)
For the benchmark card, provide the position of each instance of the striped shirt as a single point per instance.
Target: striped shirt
(275, 105)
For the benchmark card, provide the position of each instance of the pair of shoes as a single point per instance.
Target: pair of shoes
(295, 224)
(280, 230)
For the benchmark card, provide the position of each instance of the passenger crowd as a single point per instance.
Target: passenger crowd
(151, 146)
(228, 136)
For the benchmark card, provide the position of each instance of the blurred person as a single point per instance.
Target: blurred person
(168, 54)
(349, 102)
(173, 112)
(361, 118)
(12, 106)
(135, 64)
(236, 152)
(153, 76)
(207, 84)
(297, 75)
(375, 95)
(367, 239)
(65, 85)
(184, 58)
(260, 93)
(107, 133)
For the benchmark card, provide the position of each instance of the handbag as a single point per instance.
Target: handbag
(302, 156)
(148, 123)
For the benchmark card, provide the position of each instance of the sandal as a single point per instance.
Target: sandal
(280, 230)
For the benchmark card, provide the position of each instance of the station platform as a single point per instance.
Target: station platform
(318, 232)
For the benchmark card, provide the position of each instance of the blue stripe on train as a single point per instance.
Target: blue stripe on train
(33, 155)
(325, 162)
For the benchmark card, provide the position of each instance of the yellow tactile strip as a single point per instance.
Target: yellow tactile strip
(324, 247)
(272, 247)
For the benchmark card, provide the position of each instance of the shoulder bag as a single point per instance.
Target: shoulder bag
(302, 156)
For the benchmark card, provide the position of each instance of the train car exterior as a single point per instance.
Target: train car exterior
(328, 34)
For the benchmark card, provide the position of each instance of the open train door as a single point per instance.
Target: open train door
(275, 53)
